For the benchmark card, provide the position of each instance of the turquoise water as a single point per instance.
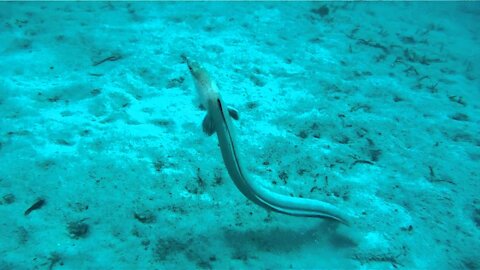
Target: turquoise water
(370, 107)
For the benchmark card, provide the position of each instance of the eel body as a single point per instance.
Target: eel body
(218, 120)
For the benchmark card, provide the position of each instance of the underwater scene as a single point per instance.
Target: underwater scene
(239, 135)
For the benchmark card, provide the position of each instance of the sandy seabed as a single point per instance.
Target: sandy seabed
(373, 107)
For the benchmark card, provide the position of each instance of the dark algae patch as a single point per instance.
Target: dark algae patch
(37, 205)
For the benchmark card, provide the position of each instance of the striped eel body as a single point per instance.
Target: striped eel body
(218, 120)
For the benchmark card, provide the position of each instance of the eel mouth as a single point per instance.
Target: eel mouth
(193, 66)
(198, 72)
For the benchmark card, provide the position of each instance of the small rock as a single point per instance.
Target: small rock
(78, 229)
(322, 11)
(8, 199)
(145, 217)
(459, 117)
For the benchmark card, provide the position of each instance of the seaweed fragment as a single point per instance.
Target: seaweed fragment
(416, 58)
(432, 177)
(407, 39)
(111, 58)
(458, 100)
(199, 187)
(433, 88)
(283, 175)
(159, 165)
(372, 44)
(37, 205)
(381, 257)
(476, 217)
(361, 161)
(411, 71)
(175, 82)
(252, 105)
(54, 259)
(459, 117)
(22, 235)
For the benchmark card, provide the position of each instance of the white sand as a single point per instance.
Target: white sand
(382, 100)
